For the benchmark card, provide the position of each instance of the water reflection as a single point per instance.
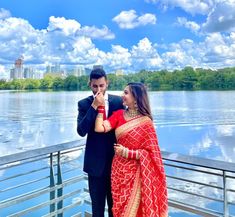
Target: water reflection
(198, 123)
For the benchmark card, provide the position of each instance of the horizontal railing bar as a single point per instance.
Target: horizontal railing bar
(230, 177)
(25, 211)
(174, 157)
(231, 190)
(195, 182)
(40, 151)
(24, 174)
(24, 184)
(66, 162)
(63, 155)
(194, 209)
(193, 169)
(73, 150)
(23, 197)
(70, 170)
(231, 202)
(199, 161)
(195, 194)
(77, 215)
(23, 162)
(59, 211)
(38, 192)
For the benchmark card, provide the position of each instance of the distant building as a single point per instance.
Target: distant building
(18, 71)
(97, 66)
(30, 72)
(48, 69)
(53, 68)
(78, 71)
(87, 71)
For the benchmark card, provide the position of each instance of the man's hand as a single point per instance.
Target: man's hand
(98, 100)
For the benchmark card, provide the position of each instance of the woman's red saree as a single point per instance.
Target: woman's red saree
(138, 186)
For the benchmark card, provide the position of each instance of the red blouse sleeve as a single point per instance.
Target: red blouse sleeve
(114, 118)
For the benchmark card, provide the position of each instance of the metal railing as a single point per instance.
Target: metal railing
(49, 182)
(200, 186)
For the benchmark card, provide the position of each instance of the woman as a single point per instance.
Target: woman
(138, 177)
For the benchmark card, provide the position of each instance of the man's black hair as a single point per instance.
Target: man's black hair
(97, 73)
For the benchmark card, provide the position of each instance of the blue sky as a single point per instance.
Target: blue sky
(129, 35)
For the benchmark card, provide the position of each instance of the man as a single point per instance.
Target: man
(99, 146)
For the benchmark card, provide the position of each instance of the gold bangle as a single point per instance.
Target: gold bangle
(127, 152)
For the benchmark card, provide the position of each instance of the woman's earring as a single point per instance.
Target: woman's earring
(136, 106)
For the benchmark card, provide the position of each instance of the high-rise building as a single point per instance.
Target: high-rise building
(79, 71)
(18, 71)
(48, 69)
(97, 66)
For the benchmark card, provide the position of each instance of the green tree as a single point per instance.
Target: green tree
(46, 82)
(32, 84)
(71, 83)
(58, 83)
(18, 84)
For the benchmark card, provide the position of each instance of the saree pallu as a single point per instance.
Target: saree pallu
(139, 186)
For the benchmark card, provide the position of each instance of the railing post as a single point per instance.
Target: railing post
(52, 184)
(226, 211)
(59, 182)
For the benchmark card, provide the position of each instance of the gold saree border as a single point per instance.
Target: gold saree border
(134, 202)
(125, 128)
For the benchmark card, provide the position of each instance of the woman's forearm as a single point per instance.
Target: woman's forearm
(99, 127)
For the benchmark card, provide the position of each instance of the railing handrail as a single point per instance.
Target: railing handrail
(199, 161)
(170, 156)
(40, 151)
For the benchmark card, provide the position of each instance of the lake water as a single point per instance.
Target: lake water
(200, 123)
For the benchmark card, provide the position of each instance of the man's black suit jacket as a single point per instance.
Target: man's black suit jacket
(99, 149)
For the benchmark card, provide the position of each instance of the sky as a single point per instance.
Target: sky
(122, 34)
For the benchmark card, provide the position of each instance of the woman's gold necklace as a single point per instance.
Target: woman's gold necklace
(132, 113)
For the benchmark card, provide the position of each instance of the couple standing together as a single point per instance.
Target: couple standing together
(122, 156)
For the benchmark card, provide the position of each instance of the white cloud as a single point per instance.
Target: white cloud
(119, 58)
(3, 72)
(129, 19)
(145, 55)
(68, 42)
(4, 13)
(63, 41)
(94, 32)
(201, 146)
(190, 6)
(179, 55)
(221, 18)
(68, 27)
(73, 28)
(219, 48)
(193, 26)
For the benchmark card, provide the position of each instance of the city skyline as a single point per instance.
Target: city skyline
(129, 35)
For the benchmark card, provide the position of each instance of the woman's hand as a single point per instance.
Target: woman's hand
(118, 148)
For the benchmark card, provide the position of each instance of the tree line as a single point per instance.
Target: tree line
(185, 79)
